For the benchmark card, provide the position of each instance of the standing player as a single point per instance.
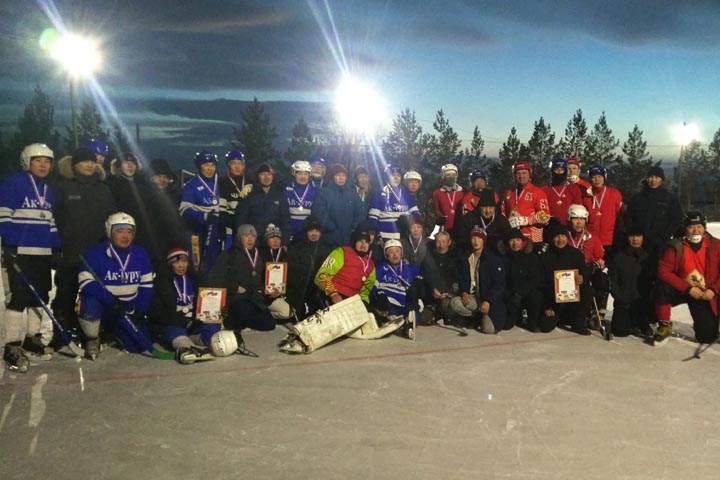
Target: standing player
(561, 193)
(390, 202)
(317, 171)
(526, 206)
(233, 189)
(447, 200)
(604, 205)
(300, 196)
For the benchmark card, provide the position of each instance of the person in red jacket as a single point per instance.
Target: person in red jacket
(689, 272)
(574, 167)
(526, 206)
(604, 205)
(447, 200)
(561, 193)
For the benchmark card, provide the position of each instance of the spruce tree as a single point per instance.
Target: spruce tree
(406, 145)
(35, 125)
(510, 152)
(89, 126)
(575, 141)
(473, 158)
(255, 139)
(303, 144)
(629, 171)
(541, 148)
(601, 145)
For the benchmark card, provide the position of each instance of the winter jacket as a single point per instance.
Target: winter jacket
(657, 211)
(262, 208)
(632, 274)
(523, 270)
(566, 258)
(414, 251)
(167, 305)
(339, 211)
(304, 259)
(234, 269)
(82, 204)
(440, 270)
(496, 228)
(492, 280)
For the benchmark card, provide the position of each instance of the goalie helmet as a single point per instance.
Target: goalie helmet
(300, 166)
(577, 211)
(223, 343)
(448, 169)
(120, 218)
(34, 150)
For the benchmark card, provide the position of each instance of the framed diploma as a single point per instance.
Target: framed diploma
(276, 277)
(565, 289)
(210, 303)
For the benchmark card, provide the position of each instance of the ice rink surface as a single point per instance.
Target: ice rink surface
(513, 405)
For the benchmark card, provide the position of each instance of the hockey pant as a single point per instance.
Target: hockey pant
(133, 336)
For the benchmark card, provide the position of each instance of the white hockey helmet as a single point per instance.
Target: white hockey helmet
(34, 150)
(448, 169)
(392, 243)
(119, 218)
(577, 211)
(300, 166)
(412, 175)
(223, 343)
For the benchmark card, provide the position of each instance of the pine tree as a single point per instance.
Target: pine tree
(255, 139)
(510, 152)
(575, 141)
(406, 145)
(303, 144)
(629, 172)
(89, 126)
(541, 149)
(35, 125)
(714, 164)
(696, 186)
(473, 157)
(601, 145)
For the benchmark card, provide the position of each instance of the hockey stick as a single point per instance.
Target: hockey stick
(64, 335)
(607, 334)
(150, 349)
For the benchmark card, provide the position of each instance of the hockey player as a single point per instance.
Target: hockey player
(481, 286)
(300, 196)
(115, 289)
(591, 247)
(234, 188)
(100, 149)
(604, 205)
(478, 180)
(526, 206)
(390, 202)
(317, 171)
(200, 208)
(689, 272)
(398, 289)
(447, 200)
(574, 169)
(412, 180)
(561, 193)
(29, 239)
(172, 311)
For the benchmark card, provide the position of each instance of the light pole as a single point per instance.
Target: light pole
(80, 58)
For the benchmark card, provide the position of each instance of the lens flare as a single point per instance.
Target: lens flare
(79, 56)
(359, 108)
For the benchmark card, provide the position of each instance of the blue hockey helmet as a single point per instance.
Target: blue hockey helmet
(204, 156)
(597, 170)
(558, 162)
(234, 155)
(478, 173)
(317, 160)
(391, 169)
(98, 147)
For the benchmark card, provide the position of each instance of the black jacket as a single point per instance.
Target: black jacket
(496, 230)
(567, 258)
(261, 208)
(632, 274)
(163, 308)
(234, 269)
(304, 259)
(658, 212)
(440, 270)
(82, 204)
(522, 269)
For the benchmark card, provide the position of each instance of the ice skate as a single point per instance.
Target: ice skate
(35, 349)
(410, 326)
(15, 358)
(92, 348)
(292, 346)
(664, 330)
(190, 355)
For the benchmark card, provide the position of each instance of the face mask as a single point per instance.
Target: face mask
(449, 181)
(695, 239)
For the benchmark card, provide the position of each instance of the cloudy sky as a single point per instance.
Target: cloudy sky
(168, 64)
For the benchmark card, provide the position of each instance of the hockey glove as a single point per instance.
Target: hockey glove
(518, 221)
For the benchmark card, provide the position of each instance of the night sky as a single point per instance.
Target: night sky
(182, 68)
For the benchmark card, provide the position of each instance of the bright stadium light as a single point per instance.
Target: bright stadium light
(79, 56)
(359, 107)
(686, 133)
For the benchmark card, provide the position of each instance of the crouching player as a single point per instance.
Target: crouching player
(398, 289)
(172, 311)
(115, 289)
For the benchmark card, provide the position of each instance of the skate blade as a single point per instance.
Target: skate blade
(22, 368)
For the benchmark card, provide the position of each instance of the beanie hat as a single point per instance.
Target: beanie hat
(246, 229)
(272, 231)
(487, 198)
(337, 168)
(694, 218)
(312, 223)
(478, 232)
(360, 170)
(263, 168)
(175, 254)
(82, 154)
(656, 171)
(160, 166)
(555, 229)
(359, 234)
(633, 231)
(514, 233)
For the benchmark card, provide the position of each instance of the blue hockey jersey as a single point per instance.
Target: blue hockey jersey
(387, 205)
(394, 281)
(300, 200)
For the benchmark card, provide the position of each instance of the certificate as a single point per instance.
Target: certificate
(565, 289)
(276, 277)
(210, 303)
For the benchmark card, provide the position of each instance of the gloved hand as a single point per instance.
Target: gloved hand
(381, 304)
(517, 221)
(212, 218)
(245, 191)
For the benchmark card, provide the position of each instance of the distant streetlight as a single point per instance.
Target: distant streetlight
(684, 135)
(80, 58)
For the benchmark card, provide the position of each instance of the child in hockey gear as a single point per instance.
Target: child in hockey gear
(200, 208)
(390, 202)
(234, 188)
(632, 275)
(561, 256)
(300, 196)
(526, 205)
(524, 277)
(689, 272)
(482, 284)
(29, 239)
(172, 311)
(116, 289)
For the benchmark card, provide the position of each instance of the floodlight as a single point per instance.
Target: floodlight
(359, 107)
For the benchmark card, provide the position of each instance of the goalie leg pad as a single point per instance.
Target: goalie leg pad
(373, 332)
(327, 325)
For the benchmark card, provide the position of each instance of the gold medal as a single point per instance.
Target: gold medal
(559, 202)
(599, 213)
(452, 212)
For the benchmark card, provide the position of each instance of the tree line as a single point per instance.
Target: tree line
(408, 145)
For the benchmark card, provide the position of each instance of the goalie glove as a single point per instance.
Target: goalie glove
(518, 221)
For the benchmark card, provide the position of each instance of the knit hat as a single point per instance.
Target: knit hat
(263, 168)
(359, 234)
(478, 232)
(272, 231)
(514, 233)
(360, 170)
(82, 154)
(337, 168)
(246, 229)
(487, 198)
(160, 166)
(312, 223)
(656, 171)
(176, 253)
(553, 230)
(129, 157)
(694, 218)
(634, 231)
